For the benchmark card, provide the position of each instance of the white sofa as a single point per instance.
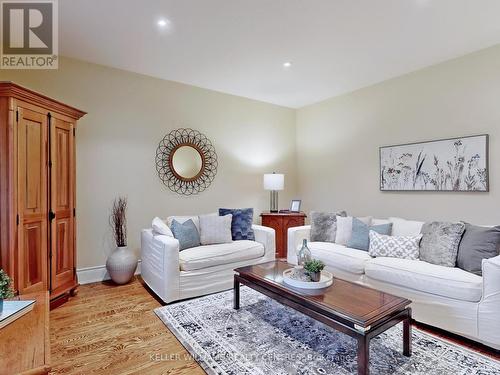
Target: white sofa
(201, 270)
(448, 298)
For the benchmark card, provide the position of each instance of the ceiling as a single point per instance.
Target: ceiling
(239, 46)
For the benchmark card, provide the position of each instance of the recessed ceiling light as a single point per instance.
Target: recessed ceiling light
(162, 22)
(287, 64)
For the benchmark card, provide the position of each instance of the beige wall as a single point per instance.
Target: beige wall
(328, 151)
(338, 140)
(128, 114)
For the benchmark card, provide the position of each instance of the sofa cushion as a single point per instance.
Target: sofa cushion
(214, 255)
(241, 225)
(477, 243)
(324, 225)
(360, 238)
(215, 229)
(344, 228)
(339, 256)
(376, 221)
(186, 233)
(425, 277)
(160, 227)
(182, 219)
(404, 247)
(439, 244)
(403, 227)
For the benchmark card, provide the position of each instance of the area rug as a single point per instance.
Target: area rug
(265, 337)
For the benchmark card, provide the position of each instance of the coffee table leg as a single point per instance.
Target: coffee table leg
(236, 304)
(363, 355)
(407, 334)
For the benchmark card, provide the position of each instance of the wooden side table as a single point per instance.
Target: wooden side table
(25, 343)
(280, 222)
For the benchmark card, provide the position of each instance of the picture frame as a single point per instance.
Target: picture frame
(295, 205)
(459, 164)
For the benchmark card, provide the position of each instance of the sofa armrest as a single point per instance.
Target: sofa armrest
(489, 306)
(295, 237)
(160, 264)
(267, 237)
(491, 277)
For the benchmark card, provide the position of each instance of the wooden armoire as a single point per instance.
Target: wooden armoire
(37, 191)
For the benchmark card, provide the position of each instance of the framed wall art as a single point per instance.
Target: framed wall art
(455, 164)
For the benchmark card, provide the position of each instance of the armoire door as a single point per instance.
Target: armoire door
(32, 204)
(62, 189)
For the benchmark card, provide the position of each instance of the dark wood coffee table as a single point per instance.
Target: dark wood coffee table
(355, 310)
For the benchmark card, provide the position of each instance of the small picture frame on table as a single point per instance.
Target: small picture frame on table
(295, 205)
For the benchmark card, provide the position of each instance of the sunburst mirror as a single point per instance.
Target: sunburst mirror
(186, 161)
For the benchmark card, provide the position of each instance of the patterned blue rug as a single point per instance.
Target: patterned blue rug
(265, 337)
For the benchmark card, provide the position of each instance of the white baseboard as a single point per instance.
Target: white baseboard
(96, 274)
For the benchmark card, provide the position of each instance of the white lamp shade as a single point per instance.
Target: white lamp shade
(274, 181)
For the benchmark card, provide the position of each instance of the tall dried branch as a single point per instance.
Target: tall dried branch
(118, 221)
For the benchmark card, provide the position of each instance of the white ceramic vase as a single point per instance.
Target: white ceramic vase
(121, 265)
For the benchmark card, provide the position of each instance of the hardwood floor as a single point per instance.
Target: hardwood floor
(109, 329)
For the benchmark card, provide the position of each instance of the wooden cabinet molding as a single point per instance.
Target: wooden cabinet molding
(37, 190)
(280, 222)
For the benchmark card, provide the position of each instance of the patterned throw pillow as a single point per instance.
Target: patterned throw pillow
(186, 233)
(404, 247)
(440, 242)
(324, 226)
(241, 225)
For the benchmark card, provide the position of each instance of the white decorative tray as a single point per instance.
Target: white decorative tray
(325, 281)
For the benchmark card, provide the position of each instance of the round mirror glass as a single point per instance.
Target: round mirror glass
(187, 162)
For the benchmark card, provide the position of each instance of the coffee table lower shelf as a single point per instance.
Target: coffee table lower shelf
(362, 334)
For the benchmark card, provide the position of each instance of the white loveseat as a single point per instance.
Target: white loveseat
(174, 275)
(448, 298)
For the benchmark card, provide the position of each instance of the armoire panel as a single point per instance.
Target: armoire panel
(63, 167)
(64, 259)
(34, 148)
(32, 199)
(62, 204)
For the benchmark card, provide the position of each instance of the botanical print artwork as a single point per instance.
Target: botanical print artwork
(458, 164)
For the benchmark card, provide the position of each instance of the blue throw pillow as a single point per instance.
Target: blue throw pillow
(241, 225)
(360, 238)
(186, 233)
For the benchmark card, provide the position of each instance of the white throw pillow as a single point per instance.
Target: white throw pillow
(380, 221)
(403, 247)
(160, 227)
(215, 229)
(344, 228)
(403, 227)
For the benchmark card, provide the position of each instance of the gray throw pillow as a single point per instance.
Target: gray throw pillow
(478, 243)
(215, 229)
(186, 233)
(440, 242)
(324, 226)
(360, 237)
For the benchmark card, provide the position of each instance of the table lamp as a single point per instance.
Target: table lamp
(274, 182)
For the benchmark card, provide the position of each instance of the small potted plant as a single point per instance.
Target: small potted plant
(6, 290)
(313, 268)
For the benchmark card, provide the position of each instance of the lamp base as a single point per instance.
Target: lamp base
(274, 201)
